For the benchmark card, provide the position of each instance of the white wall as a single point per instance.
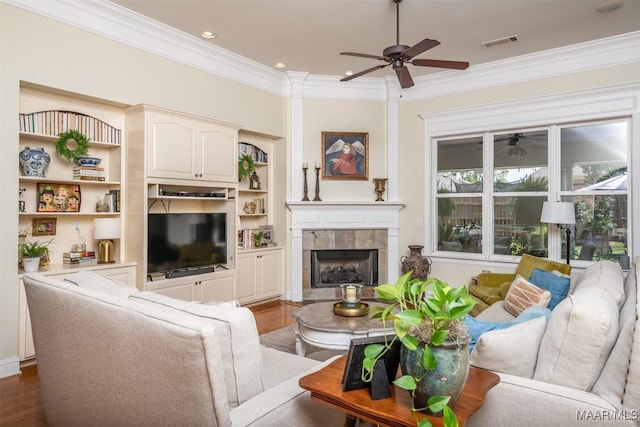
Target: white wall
(345, 116)
(45, 52)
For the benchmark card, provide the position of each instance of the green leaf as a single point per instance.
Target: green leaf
(411, 317)
(373, 350)
(449, 417)
(411, 343)
(406, 382)
(438, 403)
(429, 359)
(439, 337)
(387, 292)
(424, 423)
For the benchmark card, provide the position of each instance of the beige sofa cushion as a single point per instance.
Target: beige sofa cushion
(580, 334)
(98, 282)
(605, 274)
(513, 350)
(238, 340)
(104, 360)
(523, 294)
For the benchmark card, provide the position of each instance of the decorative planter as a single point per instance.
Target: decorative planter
(30, 265)
(447, 379)
(420, 265)
(34, 161)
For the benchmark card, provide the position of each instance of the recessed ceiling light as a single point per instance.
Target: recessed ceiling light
(348, 73)
(208, 35)
(280, 65)
(609, 6)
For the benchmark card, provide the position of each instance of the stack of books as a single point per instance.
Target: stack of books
(89, 173)
(79, 258)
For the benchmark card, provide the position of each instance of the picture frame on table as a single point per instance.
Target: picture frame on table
(352, 376)
(267, 236)
(58, 197)
(345, 155)
(43, 226)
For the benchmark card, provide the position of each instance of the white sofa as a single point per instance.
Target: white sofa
(579, 368)
(109, 355)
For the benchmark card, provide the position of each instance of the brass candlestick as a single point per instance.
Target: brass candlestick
(380, 184)
(317, 198)
(306, 187)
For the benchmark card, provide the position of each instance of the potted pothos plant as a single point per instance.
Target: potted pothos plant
(427, 319)
(31, 252)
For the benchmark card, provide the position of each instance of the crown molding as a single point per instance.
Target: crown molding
(122, 25)
(596, 54)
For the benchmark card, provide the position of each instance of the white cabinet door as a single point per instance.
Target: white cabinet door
(26, 349)
(271, 264)
(246, 285)
(216, 289)
(172, 147)
(183, 291)
(260, 275)
(217, 151)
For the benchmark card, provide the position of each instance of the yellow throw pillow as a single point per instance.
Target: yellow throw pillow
(523, 294)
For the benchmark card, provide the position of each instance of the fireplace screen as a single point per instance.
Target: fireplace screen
(330, 267)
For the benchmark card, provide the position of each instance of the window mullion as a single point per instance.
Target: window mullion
(487, 196)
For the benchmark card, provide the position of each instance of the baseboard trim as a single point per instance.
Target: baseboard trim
(9, 367)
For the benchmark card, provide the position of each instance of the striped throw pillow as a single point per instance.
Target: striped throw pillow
(523, 294)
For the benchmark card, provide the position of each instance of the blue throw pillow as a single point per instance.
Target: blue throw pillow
(557, 285)
(479, 327)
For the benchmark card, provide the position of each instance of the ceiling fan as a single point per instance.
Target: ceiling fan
(398, 54)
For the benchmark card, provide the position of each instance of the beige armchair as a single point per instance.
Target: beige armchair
(490, 288)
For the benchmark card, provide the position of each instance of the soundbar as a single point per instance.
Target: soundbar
(188, 272)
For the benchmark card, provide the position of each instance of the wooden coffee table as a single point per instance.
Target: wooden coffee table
(316, 324)
(326, 387)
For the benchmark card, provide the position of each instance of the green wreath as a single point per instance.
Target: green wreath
(79, 140)
(246, 166)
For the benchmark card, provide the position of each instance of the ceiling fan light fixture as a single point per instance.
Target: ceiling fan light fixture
(348, 73)
(280, 65)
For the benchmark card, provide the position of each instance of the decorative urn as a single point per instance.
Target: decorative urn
(34, 161)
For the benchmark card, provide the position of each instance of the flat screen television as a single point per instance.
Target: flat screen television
(179, 241)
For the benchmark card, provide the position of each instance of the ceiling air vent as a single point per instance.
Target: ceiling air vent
(496, 42)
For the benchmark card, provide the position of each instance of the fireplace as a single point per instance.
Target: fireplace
(331, 267)
(341, 226)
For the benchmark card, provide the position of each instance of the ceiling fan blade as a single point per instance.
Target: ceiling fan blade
(457, 65)
(418, 48)
(364, 55)
(404, 77)
(362, 73)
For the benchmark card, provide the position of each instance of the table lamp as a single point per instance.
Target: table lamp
(563, 214)
(105, 230)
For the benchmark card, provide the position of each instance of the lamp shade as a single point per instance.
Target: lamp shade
(558, 213)
(106, 228)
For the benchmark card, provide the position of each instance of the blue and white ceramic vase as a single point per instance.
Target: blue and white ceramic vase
(34, 161)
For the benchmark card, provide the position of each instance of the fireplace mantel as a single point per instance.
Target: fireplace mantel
(342, 215)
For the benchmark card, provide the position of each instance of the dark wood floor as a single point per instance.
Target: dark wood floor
(21, 400)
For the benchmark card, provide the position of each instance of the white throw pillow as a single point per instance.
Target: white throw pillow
(238, 340)
(606, 275)
(513, 350)
(580, 334)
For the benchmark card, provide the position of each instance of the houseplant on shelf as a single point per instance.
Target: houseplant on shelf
(31, 252)
(427, 319)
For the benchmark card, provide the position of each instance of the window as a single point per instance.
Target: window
(583, 163)
(594, 176)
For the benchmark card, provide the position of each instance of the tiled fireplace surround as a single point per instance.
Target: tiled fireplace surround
(365, 225)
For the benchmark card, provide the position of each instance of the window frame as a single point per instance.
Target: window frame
(548, 112)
